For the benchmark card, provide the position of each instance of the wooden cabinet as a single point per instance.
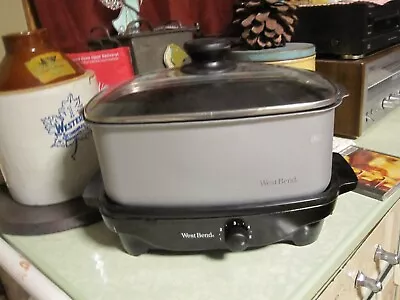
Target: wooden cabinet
(386, 234)
(12, 288)
(389, 288)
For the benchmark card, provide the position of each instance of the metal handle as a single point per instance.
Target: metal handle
(132, 27)
(391, 258)
(347, 178)
(107, 32)
(342, 91)
(373, 285)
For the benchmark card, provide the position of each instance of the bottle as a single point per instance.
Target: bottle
(47, 153)
(31, 60)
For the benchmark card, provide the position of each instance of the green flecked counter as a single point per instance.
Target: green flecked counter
(88, 263)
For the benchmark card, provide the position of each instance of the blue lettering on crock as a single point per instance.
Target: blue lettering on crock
(68, 126)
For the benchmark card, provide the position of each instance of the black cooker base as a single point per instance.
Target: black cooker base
(235, 228)
(305, 235)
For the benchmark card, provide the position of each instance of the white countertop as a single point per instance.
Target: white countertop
(88, 263)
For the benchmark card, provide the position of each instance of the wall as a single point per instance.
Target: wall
(12, 19)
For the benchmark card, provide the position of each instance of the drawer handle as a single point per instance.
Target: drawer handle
(373, 285)
(391, 258)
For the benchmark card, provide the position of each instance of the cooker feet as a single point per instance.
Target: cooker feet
(307, 234)
(132, 245)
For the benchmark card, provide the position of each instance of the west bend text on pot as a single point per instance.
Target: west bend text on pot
(278, 181)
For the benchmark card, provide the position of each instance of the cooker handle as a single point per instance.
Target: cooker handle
(342, 91)
(347, 178)
(208, 56)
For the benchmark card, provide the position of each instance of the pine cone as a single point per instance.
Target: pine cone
(266, 23)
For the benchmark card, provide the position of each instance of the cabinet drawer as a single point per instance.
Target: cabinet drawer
(386, 234)
(389, 288)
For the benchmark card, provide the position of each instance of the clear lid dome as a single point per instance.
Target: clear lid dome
(212, 87)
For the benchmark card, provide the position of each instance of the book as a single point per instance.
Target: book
(378, 173)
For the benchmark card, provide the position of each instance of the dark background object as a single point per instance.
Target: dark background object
(70, 21)
(147, 47)
(18, 219)
(349, 29)
(368, 81)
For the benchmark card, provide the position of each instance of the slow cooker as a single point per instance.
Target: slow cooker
(182, 150)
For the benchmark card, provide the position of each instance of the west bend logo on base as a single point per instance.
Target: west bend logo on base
(68, 126)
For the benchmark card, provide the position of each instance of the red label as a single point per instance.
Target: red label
(111, 66)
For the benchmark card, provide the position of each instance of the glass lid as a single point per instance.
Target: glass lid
(212, 87)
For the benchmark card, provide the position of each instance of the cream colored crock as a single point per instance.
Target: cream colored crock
(47, 154)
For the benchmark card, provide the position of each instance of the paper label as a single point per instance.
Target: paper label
(111, 66)
(49, 66)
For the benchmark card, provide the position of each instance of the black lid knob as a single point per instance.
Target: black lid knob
(208, 55)
(236, 235)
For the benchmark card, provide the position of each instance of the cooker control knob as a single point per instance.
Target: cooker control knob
(236, 235)
(391, 102)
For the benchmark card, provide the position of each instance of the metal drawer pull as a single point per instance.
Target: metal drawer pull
(373, 285)
(391, 258)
